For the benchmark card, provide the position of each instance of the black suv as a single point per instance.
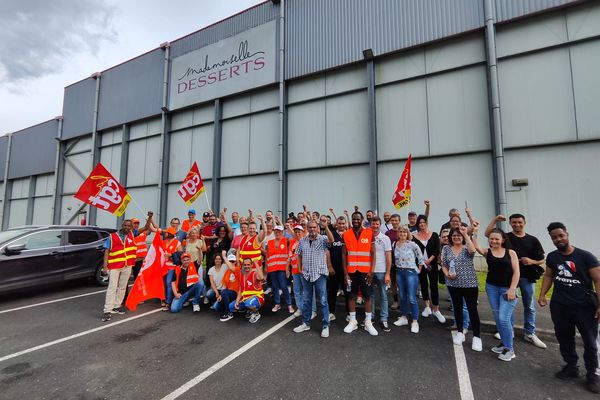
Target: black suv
(40, 255)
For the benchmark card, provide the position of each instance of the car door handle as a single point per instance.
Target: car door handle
(56, 253)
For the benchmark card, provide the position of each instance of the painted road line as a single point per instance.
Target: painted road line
(52, 301)
(464, 381)
(75, 336)
(190, 384)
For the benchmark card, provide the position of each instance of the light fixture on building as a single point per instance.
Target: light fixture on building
(368, 54)
(164, 109)
(165, 45)
(96, 75)
(519, 182)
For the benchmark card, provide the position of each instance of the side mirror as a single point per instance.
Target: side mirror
(14, 249)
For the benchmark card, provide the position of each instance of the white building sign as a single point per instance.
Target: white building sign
(229, 66)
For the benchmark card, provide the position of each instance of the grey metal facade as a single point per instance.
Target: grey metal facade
(3, 146)
(78, 108)
(143, 78)
(33, 150)
(510, 9)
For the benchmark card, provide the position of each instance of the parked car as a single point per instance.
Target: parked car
(39, 255)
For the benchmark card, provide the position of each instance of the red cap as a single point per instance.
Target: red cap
(184, 255)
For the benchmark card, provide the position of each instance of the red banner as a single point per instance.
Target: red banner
(103, 191)
(192, 185)
(401, 196)
(149, 282)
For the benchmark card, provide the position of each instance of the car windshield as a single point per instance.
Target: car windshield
(11, 234)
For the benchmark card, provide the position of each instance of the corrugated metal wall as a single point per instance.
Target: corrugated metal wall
(325, 34)
(232, 26)
(143, 78)
(3, 146)
(78, 108)
(509, 9)
(33, 150)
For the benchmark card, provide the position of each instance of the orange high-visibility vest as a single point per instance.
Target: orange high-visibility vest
(359, 250)
(294, 256)
(250, 286)
(121, 253)
(277, 255)
(192, 275)
(186, 225)
(247, 250)
(142, 247)
(170, 248)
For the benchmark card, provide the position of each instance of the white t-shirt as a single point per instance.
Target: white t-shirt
(218, 275)
(382, 245)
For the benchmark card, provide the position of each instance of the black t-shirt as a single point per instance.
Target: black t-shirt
(572, 279)
(335, 250)
(526, 246)
(500, 271)
(181, 285)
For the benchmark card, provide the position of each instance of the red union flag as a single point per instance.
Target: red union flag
(401, 196)
(192, 185)
(149, 282)
(102, 190)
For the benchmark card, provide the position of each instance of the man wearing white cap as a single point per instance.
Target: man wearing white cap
(278, 263)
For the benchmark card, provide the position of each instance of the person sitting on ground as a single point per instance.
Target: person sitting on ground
(185, 284)
(251, 296)
(215, 276)
(231, 285)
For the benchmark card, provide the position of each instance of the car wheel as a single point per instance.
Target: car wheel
(99, 278)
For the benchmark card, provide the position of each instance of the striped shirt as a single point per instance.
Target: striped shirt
(313, 252)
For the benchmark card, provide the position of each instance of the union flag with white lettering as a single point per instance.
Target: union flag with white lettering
(103, 191)
(401, 196)
(192, 185)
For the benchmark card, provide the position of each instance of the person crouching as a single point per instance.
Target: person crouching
(185, 284)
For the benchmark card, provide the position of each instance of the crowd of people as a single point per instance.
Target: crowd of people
(308, 260)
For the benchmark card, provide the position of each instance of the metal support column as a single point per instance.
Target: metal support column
(283, 145)
(7, 186)
(165, 139)
(30, 200)
(373, 174)
(124, 164)
(494, 104)
(95, 153)
(59, 174)
(217, 143)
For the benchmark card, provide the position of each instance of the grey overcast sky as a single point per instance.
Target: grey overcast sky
(47, 45)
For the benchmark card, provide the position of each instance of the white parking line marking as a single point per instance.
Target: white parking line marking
(52, 301)
(75, 336)
(190, 384)
(464, 381)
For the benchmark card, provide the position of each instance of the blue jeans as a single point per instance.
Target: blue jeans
(249, 304)
(503, 310)
(194, 290)
(279, 282)
(528, 295)
(378, 278)
(227, 296)
(320, 288)
(299, 293)
(408, 283)
(168, 289)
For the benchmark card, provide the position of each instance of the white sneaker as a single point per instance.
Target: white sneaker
(254, 318)
(370, 328)
(313, 315)
(301, 328)
(458, 339)
(414, 327)
(206, 301)
(196, 307)
(291, 309)
(401, 321)
(534, 340)
(325, 332)
(347, 318)
(441, 319)
(276, 308)
(268, 291)
(477, 345)
(426, 312)
(298, 313)
(497, 335)
(351, 327)
(331, 316)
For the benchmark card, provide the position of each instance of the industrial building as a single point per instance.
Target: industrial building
(321, 102)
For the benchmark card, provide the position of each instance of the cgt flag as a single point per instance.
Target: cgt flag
(401, 196)
(192, 186)
(102, 190)
(149, 282)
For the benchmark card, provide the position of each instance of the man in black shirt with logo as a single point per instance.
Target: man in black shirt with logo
(531, 257)
(574, 303)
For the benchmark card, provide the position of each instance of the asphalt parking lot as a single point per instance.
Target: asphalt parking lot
(54, 346)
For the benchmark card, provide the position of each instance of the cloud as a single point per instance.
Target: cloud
(38, 36)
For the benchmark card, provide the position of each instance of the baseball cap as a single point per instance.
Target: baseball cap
(170, 230)
(135, 221)
(299, 227)
(278, 228)
(186, 255)
(192, 211)
(206, 214)
(231, 257)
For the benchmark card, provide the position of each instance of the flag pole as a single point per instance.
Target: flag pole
(207, 203)
(136, 204)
